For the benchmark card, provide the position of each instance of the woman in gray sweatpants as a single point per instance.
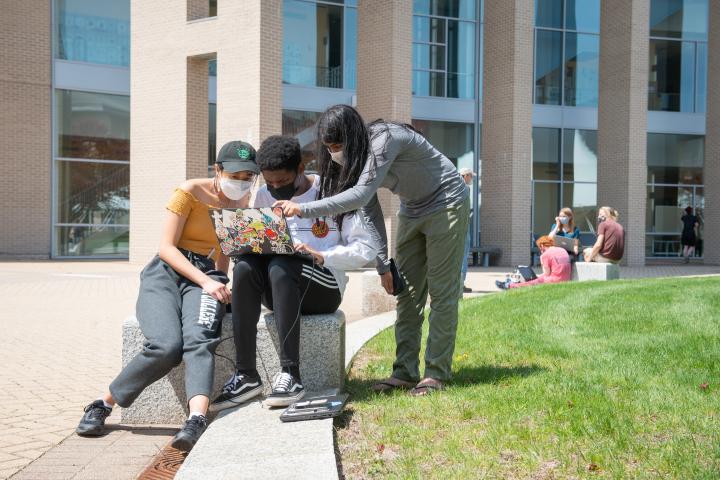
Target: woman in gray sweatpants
(182, 295)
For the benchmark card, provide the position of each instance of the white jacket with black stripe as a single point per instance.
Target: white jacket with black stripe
(346, 250)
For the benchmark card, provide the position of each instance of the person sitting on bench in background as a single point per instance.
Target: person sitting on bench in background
(610, 244)
(564, 226)
(290, 285)
(555, 264)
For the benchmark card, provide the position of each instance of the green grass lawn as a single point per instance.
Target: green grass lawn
(583, 380)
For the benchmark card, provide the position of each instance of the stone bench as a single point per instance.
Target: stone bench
(322, 364)
(584, 271)
(375, 300)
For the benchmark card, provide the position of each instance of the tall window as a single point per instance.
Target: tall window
(678, 55)
(320, 43)
(91, 170)
(444, 44)
(564, 175)
(675, 182)
(93, 31)
(567, 46)
(302, 125)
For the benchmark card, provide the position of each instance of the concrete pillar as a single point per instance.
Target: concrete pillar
(622, 118)
(384, 74)
(507, 129)
(711, 215)
(25, 129)
(171, 43)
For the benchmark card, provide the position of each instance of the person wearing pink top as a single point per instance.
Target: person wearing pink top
(555, 264)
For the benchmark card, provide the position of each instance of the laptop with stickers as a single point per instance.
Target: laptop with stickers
(261, 231)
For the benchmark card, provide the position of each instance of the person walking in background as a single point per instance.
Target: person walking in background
(467, 175)
(555, 264)
(688, 239)
(564, 226)
(610, 244)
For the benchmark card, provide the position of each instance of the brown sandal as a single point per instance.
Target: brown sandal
(426, 386)
(390, 384)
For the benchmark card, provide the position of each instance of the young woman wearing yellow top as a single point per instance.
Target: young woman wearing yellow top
(182, 292)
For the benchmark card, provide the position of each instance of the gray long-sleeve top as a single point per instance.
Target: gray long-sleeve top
(409, 166)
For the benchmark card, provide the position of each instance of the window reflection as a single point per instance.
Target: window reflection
(548, 67)
(686, 19)
(92, 125)
(678, 55)
(675, 159)
(574, 185)
(675, 181)
(549, 13)
(93, 31)
(464, 9)
(313, 42)
(582, 55)
(444, 48)
(96, 240)
(672, 76)
(97, 193)
(583, 15)
(546, 153)
(303, 125)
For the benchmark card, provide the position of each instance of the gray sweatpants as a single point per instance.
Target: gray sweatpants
(180, 322)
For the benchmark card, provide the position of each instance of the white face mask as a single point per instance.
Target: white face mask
(338, 157)
(235, 189)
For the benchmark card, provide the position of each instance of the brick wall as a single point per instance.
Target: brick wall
(169, 96)
(384, 75)
(25, 129)
(622, 118)
(507, 128)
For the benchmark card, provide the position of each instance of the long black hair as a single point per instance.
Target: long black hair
(342, 124)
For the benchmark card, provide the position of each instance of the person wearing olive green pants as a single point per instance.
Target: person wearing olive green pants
(429, 254)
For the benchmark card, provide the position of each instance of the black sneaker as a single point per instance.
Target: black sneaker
(501, 285)
(92, 423)
(467, 289)
(285, 391)
(240, 388)
(189, 434)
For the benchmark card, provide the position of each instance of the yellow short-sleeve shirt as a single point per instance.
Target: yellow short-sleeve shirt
(198, 235)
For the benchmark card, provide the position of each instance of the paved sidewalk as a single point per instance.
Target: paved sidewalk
(61, 325)
(62, 338)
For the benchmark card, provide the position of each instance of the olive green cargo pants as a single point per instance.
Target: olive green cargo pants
(429, 254)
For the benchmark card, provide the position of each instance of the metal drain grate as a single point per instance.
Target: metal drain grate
(165, 465)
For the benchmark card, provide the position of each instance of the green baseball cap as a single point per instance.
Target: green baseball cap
(238, 156)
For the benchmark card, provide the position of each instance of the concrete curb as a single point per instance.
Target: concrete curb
(251, 442)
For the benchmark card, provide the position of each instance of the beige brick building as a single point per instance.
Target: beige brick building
(553, 103)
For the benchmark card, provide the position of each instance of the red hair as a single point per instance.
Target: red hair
(545, 241)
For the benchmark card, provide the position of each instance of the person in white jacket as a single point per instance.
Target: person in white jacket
(290, 285)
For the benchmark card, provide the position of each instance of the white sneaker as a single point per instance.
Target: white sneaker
(285, 391)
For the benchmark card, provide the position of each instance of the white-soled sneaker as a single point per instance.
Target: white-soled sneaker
(285, 391)
(239, 389)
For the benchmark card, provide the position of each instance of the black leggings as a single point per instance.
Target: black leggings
(278, 282)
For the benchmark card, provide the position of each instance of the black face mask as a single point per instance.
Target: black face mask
(286, 192)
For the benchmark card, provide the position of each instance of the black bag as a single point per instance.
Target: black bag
(526, 272)
(398, 280)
